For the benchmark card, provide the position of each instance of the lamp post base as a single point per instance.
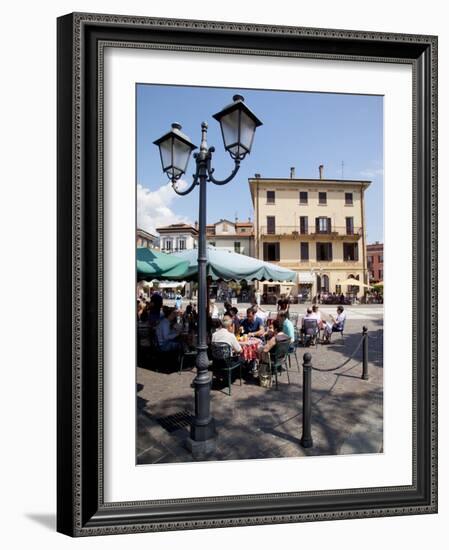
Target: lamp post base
(306, 442)
(201, 449)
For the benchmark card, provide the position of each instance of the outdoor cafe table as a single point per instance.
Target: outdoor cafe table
(250, 348)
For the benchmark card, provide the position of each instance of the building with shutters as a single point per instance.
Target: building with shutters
(236, 236)
(375, 262)
(177, 237)
(313, 226)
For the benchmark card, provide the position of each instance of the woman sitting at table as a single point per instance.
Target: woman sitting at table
(277, 337)
(252, 325)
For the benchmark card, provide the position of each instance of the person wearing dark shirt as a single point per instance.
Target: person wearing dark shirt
(252, 325)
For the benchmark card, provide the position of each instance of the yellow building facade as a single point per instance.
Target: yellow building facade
(315, 227)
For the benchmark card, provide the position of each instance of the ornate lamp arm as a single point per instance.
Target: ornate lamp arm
(189, 189)
(211, 170)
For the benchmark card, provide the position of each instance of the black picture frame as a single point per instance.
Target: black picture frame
(81, 510)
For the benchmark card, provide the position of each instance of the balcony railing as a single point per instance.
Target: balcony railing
(296, 232)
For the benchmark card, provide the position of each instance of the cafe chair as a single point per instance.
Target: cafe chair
(224, 361)
(293, 349)
(277, 360)
(310, 332)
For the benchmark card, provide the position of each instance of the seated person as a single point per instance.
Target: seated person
(309, 315)
(287, 326)
(278, 337)
(336, 325)
(235, 322)
(252, 325)
(167, 337)
(316, 314)
(225, 334)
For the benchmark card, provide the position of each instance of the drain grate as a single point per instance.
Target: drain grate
(175, 421)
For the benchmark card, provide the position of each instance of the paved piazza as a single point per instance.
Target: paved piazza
(257, 422)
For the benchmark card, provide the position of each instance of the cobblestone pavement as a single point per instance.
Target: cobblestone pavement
(257, 422)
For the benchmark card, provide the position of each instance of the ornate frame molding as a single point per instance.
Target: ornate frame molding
(81, 42)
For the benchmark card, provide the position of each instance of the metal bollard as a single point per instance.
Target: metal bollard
(365, 354)
(306, 439)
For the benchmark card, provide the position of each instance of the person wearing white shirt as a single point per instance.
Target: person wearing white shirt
(336, 326)
(260, 313)
(225, 335)
(316, 314)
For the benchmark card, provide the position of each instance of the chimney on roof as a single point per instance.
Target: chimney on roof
(257, 176)
(292, 173)
(321, 168)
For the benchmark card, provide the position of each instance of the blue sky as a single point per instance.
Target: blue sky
(300, 129)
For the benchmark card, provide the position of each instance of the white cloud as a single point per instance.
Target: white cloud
(373, 173)
(154, 207)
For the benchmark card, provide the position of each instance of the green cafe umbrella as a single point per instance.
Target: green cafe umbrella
(230, 266)
(157, 265)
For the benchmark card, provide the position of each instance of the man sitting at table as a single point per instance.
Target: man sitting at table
(167, 337)
(252, 325)
(235, 321)
(287, 325)
(225, 334)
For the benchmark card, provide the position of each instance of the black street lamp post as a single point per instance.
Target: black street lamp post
(238, 125)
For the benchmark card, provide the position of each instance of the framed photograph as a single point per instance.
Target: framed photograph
(247, 274)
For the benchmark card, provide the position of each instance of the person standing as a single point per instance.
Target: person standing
(178, 300)
(258, 297)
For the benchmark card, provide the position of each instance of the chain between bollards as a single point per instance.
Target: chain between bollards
(306, 439)
(365, 354)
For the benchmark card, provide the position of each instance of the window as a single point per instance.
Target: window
(381, 259)
(237, 247)
(350, 226)
(369, 261)
(303, 225)
(350, 252)
(182, 244)
(271, 252)
(348, 198)
(303, 197)
(322, 197)
(304, 252)
(323, 225)
(324, 252)
(325, 283)
(381, 274)
(271, 197)
(271, 225)
(168, 244)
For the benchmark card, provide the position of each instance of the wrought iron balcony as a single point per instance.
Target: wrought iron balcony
(294, 232)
